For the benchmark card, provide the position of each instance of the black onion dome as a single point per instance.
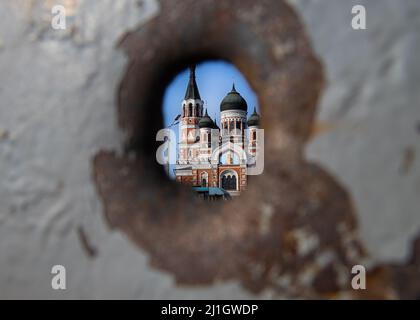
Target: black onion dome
(205, 122)
(254, 119)
(233, 101)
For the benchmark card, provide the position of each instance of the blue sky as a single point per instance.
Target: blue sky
(214, 81)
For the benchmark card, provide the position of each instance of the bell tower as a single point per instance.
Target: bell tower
(253, 125)
(192, 111)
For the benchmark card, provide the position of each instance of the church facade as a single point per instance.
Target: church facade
(210, 155)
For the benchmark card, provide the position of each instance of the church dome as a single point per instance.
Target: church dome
(206, 122)
(233, 101)
(254, 119)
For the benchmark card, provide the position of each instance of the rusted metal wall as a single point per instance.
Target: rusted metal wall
(80, 186)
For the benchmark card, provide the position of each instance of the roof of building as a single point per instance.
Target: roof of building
(186, 168)
(217, 191)
(192, 88)
(212, 191)
(233, 101)
(206, 121)
(254, 119)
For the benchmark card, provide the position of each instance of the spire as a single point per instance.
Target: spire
(192, 71)
(192, 89)
(254, 119)
(206, 121)
(233, 87)
(215, 123)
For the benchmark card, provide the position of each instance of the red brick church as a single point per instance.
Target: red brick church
(213, 156)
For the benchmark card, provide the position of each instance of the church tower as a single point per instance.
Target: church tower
(192, 111)
(233, 111)
(213, 159)
(253, 125)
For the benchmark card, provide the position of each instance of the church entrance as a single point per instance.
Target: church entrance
(229, 180)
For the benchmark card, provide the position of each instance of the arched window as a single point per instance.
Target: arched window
(228, 185)
(233, 183)
(190, 110)
(204, 179)
(254, 135)
(228, 180)
(209, 140)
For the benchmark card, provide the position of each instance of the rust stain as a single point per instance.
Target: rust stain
(409, 155)
(309, 243)
(88, 248)
(319, 128)
(4, 134)
(200, 243)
